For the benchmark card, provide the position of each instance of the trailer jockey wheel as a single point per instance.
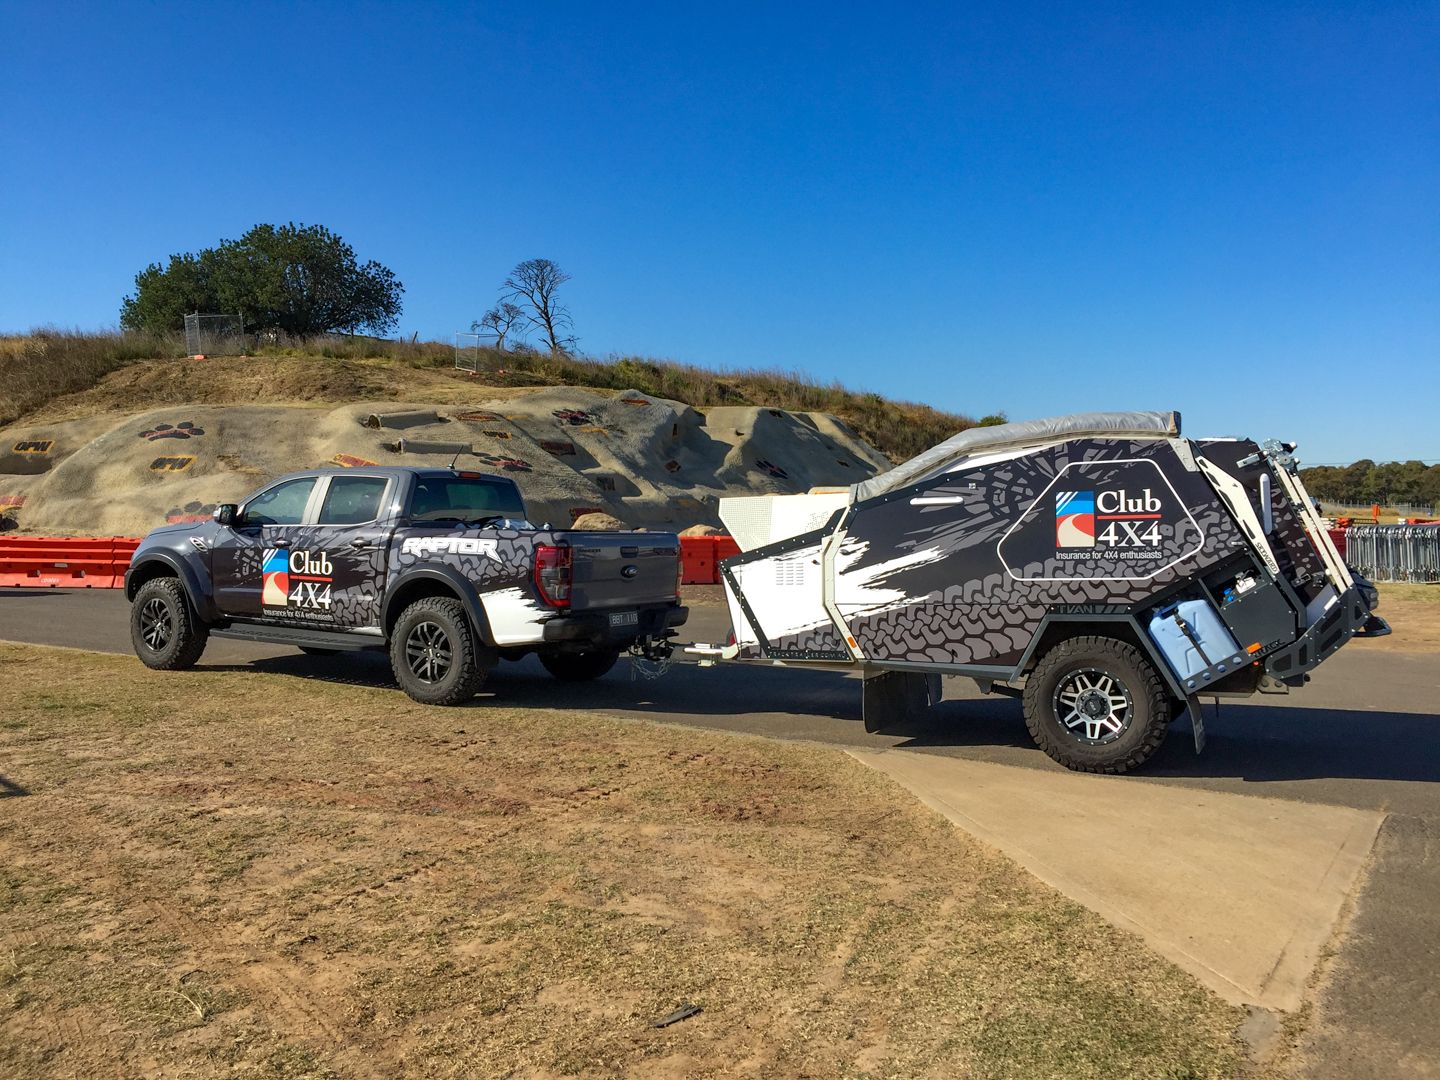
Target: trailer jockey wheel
(1096, 704)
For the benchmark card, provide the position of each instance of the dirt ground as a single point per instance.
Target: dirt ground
(217, 872)
(1413, 612)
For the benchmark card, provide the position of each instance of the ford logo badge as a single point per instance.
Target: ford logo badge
(629, 571)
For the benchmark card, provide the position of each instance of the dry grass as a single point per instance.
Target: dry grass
(1413, 612)
(65, 376)
(37, 367)
(229, 872)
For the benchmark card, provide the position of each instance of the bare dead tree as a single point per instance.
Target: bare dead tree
(500, 321)
(534, 282)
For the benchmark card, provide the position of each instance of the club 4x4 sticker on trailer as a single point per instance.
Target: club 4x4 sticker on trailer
(1106, 520)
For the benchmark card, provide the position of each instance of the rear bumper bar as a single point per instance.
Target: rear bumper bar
(1348, 617)
(593, 629)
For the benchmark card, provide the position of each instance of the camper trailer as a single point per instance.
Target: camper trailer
(1102, 567)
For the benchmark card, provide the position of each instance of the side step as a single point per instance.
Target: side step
(300, 638)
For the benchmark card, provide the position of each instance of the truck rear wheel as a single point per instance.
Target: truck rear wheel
(434, 654)
(165, 632)
(579, 666)
(1097, 704)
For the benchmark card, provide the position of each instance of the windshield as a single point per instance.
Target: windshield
(465, 499)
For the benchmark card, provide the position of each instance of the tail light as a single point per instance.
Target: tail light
(553, 565)
(679, 576)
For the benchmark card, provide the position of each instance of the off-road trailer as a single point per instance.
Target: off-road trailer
(1101, 567)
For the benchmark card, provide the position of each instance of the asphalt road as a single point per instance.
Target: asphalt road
(1365, 733)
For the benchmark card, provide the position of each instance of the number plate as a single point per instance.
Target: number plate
(624, 618)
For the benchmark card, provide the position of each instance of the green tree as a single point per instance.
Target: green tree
(303, 280)
(165, 294)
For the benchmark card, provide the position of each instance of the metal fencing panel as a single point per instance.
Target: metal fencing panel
(1394, 552)
(215, 335)
(472, 350)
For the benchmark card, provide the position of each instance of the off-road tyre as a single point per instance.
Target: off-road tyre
(436, 623)
(165, 631)
(579, 666)
(311, 650)
(1094, 660)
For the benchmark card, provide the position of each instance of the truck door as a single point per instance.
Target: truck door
(349, 544)
(250, 560)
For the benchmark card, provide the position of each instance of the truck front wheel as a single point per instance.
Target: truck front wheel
(434, 654)
(1097, 704)
(579, 666)
(164, 630)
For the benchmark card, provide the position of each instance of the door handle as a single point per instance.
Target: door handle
(359, 542)
(282, 542)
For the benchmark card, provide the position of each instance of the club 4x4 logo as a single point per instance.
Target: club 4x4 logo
(296, 579)
(1123, 520)
(1112, 519)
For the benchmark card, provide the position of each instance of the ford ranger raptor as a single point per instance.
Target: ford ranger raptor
(439, 567)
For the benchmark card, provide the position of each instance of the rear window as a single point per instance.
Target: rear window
(459, 498)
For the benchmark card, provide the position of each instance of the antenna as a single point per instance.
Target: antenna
(458, 452)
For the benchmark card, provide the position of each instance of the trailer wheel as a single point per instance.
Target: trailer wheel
(1097, 704)
(434, 654)
(579, 666)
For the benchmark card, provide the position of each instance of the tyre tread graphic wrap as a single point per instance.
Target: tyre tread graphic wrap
(959, 604)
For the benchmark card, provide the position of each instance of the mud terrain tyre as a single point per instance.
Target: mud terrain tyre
(166, 633)
(1097, 704)
(579, 666)
(434, 654)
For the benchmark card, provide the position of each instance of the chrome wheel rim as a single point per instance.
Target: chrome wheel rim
(428, 652)
(157, 624)
(1093, 706)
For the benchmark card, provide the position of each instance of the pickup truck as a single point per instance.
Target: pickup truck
(439, 567)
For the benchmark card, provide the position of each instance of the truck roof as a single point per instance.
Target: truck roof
(395, 470)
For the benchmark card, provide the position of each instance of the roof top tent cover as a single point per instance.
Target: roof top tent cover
(1114, 425)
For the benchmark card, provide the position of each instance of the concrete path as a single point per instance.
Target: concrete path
(1242, 892)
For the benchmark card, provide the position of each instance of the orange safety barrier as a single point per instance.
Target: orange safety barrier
(1337, 537)
(700, 558)
(65, 562)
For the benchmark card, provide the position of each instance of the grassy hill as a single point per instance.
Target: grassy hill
(53, 375)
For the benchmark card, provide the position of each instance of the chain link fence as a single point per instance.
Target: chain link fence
(215, 335)
(1394, 552)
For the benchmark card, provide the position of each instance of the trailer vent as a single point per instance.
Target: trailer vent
(790, 573)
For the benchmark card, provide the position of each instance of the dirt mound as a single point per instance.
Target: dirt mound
(641, 459)
(600, 523)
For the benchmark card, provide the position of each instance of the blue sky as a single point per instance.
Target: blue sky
(1229, 210)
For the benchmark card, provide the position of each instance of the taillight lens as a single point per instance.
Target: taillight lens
(553, 573)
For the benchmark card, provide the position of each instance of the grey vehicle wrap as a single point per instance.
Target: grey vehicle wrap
(356, 579)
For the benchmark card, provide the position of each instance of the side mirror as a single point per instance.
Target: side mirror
(225, 513)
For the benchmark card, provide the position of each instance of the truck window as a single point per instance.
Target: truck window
(463, 498)
(352, 500)
(283, 504)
